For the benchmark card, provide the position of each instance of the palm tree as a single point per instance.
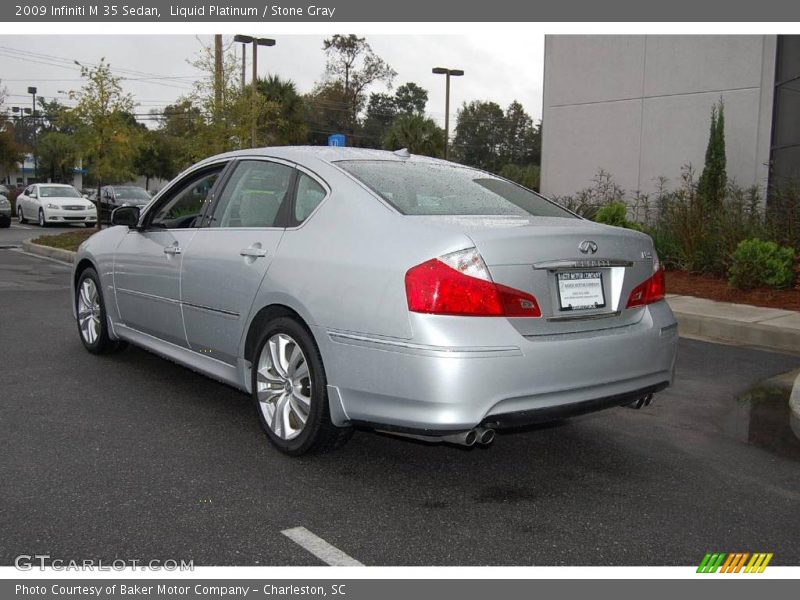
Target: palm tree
(289, 126)
(417, 133)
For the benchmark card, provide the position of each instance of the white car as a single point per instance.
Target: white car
(48, 203)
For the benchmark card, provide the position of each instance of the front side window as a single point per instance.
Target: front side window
(423, 188)
(309, 195)
(183, 207)
(253, 195)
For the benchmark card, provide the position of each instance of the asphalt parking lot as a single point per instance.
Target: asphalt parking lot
(130, 456)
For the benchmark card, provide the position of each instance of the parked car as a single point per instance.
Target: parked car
(48, 203)
(5, 211)
(114, 196)
(4, 191)
(342, 287)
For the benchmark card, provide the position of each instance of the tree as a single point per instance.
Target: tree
(417, 133)
(324, 107)
(11, 152)
(105, 133)
(410, 99)
(157, 157)
(352, 63)
(57, 154)
(289, 126)
(381, 111)
(56, 116)
(479, 135)
(520, 144)
(714, 180)
(180, 126)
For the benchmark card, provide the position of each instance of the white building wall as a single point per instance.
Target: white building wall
(639, 107)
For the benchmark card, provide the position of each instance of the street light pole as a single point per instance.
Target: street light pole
(243, 40)
(448, 73)
(32, 91)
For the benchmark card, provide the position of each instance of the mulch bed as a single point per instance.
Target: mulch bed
(716, 288)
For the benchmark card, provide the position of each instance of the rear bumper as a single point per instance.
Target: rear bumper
(431, 389)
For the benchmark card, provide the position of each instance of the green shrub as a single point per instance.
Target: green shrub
(616, 214)
(757, 263)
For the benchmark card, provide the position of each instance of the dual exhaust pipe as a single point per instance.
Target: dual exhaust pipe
(477, 435)
(641, 402)
(480, 435)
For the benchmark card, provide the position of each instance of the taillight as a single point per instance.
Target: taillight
(459, 284)
(649, 291)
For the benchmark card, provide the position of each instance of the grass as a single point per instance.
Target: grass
(69, 240)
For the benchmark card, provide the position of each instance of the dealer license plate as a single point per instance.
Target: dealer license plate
(580, 290)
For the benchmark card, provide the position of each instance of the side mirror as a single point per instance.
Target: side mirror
(125, 215)
(86, 196)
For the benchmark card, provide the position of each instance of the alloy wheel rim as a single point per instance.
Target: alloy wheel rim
(89, 311)
(283, 386)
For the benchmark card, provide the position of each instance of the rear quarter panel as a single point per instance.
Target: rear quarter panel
(344, 268)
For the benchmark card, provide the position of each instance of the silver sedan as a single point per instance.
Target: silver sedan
(348, 287)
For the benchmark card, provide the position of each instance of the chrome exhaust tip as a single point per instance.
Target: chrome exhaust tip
(485, 435)
(641, 402)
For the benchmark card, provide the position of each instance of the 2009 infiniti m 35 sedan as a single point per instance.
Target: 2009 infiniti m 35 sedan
(348, 287)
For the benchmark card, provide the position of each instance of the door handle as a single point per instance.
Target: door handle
(253, 252)
(173, 250)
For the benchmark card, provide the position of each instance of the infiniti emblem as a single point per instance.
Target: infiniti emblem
(587, 246)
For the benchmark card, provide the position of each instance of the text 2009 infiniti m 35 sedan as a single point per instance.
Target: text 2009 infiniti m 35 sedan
(344, 287)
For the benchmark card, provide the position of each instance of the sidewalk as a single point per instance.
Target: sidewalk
(769, 328)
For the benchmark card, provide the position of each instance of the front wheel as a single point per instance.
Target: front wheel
(42, 220)
(91, 311)
(20, 215)
(290, 391)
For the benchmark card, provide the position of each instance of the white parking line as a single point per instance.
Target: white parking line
(55, 260)
(320, 548)
(18, 226)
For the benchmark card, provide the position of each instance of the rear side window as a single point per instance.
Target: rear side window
(309, 195)
(419, 188)
(253, 195)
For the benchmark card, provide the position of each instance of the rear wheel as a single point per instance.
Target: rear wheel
(290, 391)
(91, 311)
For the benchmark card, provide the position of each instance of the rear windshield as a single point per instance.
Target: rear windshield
(52, 191)
(418, 188)
(133, 193)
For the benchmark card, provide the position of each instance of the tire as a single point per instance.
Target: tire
(308, 397)
(93, 325)
(5, 222)
(20, 215)
(42, 221)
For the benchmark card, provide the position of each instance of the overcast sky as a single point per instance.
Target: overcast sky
(498, 68)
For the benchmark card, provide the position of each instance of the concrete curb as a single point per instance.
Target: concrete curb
(794, 408)
(48, 252)
(764, 334)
